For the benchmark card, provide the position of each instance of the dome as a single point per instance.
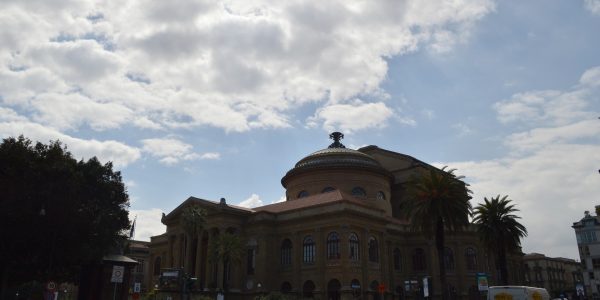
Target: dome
(334, 157)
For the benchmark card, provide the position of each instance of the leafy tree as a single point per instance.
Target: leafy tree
(227, 248)
(437, 200)
(499, 230)
(56, 213)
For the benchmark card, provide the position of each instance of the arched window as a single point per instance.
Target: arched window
(308, 250)
(373, 250)
(333, 289)
(333, 246)
(359, 192)
(448, 259)
(286, 288)
(397, 260)
(418, 258)
(286, 252)
(328, 189)
(354, 247)
(471, 259)
(381, 196)
(355, 286)
(303, 194)
(157, 266)
(308, 288)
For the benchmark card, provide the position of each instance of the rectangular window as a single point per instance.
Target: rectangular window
(140, 266)
(596, 263)
(591, 275)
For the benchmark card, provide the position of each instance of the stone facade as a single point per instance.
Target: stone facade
(557, 275)
(339, 235)
(587, 231)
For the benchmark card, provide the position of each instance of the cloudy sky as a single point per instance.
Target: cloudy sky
(220, 98)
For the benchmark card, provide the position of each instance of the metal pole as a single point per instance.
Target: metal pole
(115, 292)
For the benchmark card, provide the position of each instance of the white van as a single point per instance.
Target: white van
(513, 292)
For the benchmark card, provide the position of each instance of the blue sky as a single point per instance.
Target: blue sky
(220, 99)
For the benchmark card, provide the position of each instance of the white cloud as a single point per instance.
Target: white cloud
(236, 66)
(593, 6)
(72, 110)
(120, 154)
(253, 201)
(147, 223)
(210, 155)
(545, 107)
(170, 151)
(550, 170)
(462, 129)
(281, 199)
(9, 115)
(352, 117)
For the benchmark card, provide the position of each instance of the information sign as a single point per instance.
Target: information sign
(117, 274)
(482, 281)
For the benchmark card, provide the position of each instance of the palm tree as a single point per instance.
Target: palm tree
(438, 201)
(193, 220)
(227, 248)
(499, 230)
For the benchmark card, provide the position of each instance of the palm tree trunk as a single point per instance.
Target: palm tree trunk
(503, 265)
(439, 244)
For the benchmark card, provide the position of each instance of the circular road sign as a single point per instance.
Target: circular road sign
(51, 286)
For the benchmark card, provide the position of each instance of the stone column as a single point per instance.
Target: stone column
(187, 263)
(297, 258)
(321, 258)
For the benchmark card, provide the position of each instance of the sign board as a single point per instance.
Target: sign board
(137, 287)
(425, 287)
(117, 274)
(355, 285)
(171, 273)
(482, 282)
(381, 288)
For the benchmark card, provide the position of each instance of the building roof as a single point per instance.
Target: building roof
(328, 198)
(117, 258)
(211, 205)
(333, 157)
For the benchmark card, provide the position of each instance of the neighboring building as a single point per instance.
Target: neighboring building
(338, 235)
(139, 251)
(556, 274)
(587, 231)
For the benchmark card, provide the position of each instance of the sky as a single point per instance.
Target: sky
(219, 99)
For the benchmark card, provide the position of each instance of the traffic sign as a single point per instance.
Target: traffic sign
(51, 286)
(117, 274)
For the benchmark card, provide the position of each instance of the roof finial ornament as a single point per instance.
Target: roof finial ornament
(336, 137)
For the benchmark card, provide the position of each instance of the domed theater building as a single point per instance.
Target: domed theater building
(338, 235)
